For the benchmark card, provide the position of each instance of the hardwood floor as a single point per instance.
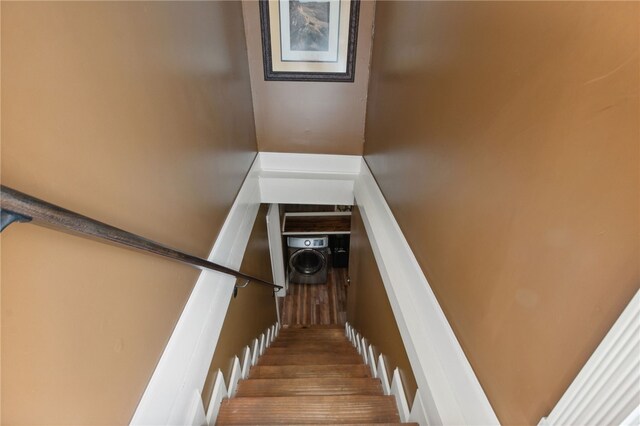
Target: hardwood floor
(317, 304)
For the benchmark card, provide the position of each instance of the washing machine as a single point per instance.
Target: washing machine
(308, 259)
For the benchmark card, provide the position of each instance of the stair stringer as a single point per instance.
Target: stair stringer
(239, 370)
(379, 371)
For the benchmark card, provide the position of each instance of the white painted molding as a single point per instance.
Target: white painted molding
(307, 178)
(633, 419)
(276, 250)
(197, 416)
(255, 351)
(383, 375)
(451, 393)
(236, 374)
(310, 163)
(607, 389)
(262, 346)
(397, 390)
(372, 361)
(246, 361)
(218, 394)
(418, 414)
(267, 341)
(183, 366)
(365, 351)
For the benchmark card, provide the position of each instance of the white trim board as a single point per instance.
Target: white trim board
(307, 178)
(276, 250)
(183, 366)
(607, 389)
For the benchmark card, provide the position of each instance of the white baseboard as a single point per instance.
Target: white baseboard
(219, 393)
(418, 413)
(246, 361)
(183, 366)
(397, 390)
(197, 415)
(607, 389)
(235, 376)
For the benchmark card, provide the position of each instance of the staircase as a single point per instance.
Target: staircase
(309, 375)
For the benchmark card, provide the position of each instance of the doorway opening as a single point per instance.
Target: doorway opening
(314, 257)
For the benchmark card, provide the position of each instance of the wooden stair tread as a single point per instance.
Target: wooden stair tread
(310, 345)
(322, 342)
(305, 350)
(312, 332)
(304, 371)
(308, 386)
(309, 336)
(313, 327)
(309, 409)
(309, 358)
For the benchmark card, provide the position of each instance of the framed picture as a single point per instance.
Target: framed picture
(309, 40)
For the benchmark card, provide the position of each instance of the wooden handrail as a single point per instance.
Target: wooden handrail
(19, 207)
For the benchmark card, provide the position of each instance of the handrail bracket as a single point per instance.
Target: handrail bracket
(8, 217)
(235, 289)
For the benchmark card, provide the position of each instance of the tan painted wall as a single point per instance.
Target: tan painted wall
(252, 312)
(505, 137)
(368, 308)
(309, 117)
(138, 114)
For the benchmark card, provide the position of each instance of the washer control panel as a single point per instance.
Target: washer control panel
(315, 241)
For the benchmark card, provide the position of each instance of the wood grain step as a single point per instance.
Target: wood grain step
(305, 371)
(309, 359)
(306, 349)
(308, 335)
(317, 330)
(313, 327)
(330, 341)
(308, 386)
(310, 345)
(309, 409)
(321, 342)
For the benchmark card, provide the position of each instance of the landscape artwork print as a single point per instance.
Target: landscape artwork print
(309, 25)
(309, 40)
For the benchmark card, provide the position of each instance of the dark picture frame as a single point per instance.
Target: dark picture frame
(317, 43)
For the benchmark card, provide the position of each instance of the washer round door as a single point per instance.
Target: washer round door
(307, 261)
